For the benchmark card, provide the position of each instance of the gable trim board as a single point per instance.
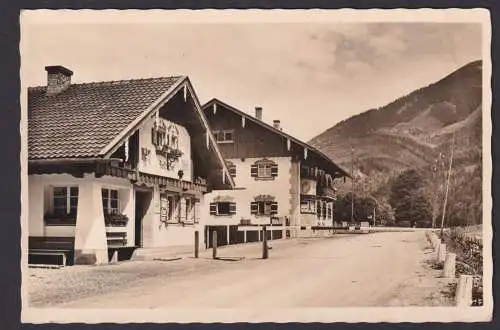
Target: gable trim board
(182, 83)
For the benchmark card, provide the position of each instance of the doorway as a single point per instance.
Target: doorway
(142, 203)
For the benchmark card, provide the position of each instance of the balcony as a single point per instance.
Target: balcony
(139, 177)
(326, 192)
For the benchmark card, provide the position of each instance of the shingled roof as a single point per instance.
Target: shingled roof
(85, 118)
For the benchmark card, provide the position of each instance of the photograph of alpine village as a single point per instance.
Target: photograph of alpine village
(252, 165)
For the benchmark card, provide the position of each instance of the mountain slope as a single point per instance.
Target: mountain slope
(414, 129)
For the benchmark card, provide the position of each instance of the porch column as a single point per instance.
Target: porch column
(227, 237)
(36, 198)
(91, 245)
(245, 236)
(129, 210)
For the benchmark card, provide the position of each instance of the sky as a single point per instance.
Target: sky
(308, 75)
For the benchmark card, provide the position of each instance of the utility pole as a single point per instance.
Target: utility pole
(352, 188)
(447, 185)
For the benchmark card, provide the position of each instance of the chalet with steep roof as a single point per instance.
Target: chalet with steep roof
(118, 165)
(280, 180)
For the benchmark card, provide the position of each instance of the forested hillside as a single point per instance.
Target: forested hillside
(416, 132)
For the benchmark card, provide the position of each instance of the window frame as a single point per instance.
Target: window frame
(173, 204)
(311, 206)
(231, 167)
(264, 171)
(224, 132)
(264, 208)
(108, 209)
(67, 201)
(231, 208)
(62, 216)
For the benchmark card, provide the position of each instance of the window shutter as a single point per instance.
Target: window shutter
(232, 208)
(274, 208)
(196, 211)
(274, 170)
(253, 170)
(213, 208)
(153, 136)
(254, 207)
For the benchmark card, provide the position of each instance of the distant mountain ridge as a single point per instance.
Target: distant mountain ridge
(411, 131)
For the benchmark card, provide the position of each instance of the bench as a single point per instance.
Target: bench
(47, 257)
(116, 239)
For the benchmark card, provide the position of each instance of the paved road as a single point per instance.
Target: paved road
(381, 269)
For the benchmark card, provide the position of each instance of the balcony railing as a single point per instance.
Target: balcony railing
(326, 192)
(140, 177)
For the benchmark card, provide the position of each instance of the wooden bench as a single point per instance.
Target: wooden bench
(116, 239)
(51, 250)
(48, 257)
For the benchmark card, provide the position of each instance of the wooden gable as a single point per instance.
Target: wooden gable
(249, 138)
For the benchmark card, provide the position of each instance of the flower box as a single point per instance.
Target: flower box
(59, 219)
(115, 220)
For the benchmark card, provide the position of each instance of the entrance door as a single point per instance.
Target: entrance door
(142, 203)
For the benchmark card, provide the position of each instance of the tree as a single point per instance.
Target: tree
(465, 206)
(409, 200)
(364, 209)
(385, 214)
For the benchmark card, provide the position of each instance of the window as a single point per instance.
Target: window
(110, 201)
(307, 206)
(196, 216)
(172, 208)
(318, 209)
(65, 201)
(223, 208)
(169, 208)
(224, 136)
(323, 213)
(264, 169)
(159, 135)
(189, 211)
(231, 168)
(264, 208)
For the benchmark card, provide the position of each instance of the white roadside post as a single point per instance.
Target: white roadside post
(441, 253)
(463, 297)
(449, 265)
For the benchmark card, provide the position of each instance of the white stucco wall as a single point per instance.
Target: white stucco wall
(157, 234)
(40, 200)
(152, 164)
(250, 187)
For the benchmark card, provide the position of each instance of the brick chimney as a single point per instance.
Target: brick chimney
(258, 113)
(58, 79)
(276, 124)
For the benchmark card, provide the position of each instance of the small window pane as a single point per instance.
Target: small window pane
(229, 136)
(74, 191)
(114, 204)
(223, 208)
(59, 202)
(104, 193)
(114, 194)
(60, 192)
